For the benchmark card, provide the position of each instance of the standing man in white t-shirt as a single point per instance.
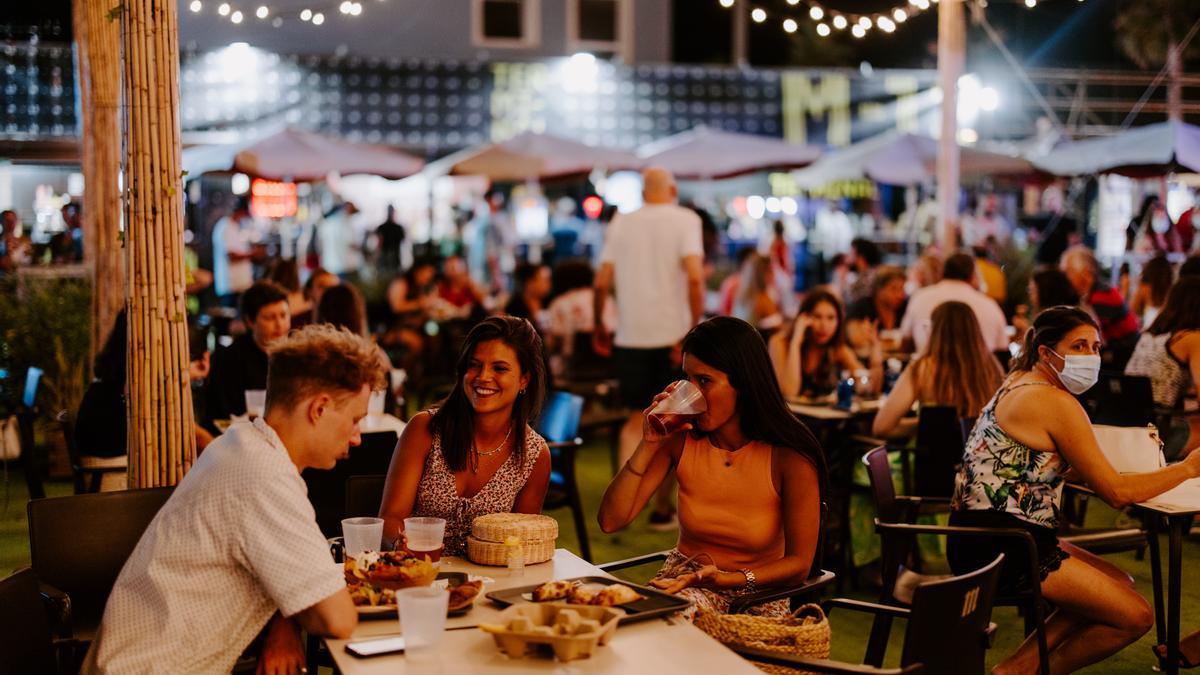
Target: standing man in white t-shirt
(653, 259)
(233, 254)
(237, 544)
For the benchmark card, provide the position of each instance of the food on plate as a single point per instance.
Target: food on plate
(616, 595)
(463, 595)
(586, 594)
(389, 570)
(366, 595)
(553, 590)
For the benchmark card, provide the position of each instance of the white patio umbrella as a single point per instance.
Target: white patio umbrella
(1153, 149)
(897, 158)
(298, 155)
(532, 156)
(703, 153)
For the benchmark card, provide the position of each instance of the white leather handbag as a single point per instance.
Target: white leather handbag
(1131, 449)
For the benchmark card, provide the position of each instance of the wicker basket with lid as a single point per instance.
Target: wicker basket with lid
(485, 545)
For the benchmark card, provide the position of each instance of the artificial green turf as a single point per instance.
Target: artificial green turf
(850, 629)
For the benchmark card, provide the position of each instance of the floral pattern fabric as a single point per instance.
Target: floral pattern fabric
(1001, 474)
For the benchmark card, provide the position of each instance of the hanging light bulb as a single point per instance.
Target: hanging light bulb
(900, 15)
(223, 10)
(305, 14)
(262, 12)
(816, 13)
(1031, 3)
(865, 22)
(823, 30)
(236, 17)
(839, 22)
(344, 8)
(318, 19)
(793, 2)
(858, 30)
(196, 6)
(727, 3)
(885, 24)
(759, 15)
(789, 25)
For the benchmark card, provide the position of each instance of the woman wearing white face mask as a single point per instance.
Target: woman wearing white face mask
(1027, 438)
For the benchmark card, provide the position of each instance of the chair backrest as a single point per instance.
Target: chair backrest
(327, 487)
(968, 425)
(25, 640)
(33, 379)
(559, 422)
(79, 544)
(1120, 400)
(883, 491)
(939, 451)
(364, 494)
(947, 630)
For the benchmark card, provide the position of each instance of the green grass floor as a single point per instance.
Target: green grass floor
(850, 629)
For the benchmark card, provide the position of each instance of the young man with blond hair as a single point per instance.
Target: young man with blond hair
(237, 544)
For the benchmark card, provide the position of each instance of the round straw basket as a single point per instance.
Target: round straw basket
(803, 633)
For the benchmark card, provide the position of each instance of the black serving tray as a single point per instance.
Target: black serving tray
(655, 604)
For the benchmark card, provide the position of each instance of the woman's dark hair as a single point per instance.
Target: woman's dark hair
(735, 348)
(454, 420)
(286, 273)
(1054, 288)
(312, 280)
(1157, 276)
(1182, 309)
(343, 306)
(261, 294)
(815, 297)
(1048, 329)
(867, 251)
(1148, 204)
(570, 275)
(110, 362)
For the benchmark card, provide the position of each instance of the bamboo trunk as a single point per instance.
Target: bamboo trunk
(161, 442)
(98, 40)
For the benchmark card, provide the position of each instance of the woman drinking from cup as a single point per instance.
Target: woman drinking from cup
(1031, 433)
(811, 353)
(750, 475)
(475, 454)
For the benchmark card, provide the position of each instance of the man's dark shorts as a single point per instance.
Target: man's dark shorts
(643, 373)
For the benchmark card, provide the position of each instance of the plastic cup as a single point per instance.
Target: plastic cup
(424, 537)
(422, 620)
(375, 403)
(362, 534)
(684, 404)
(256, 402)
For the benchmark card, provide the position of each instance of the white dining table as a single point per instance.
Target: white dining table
(658, 645)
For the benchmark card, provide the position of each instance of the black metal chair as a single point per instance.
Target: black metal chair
(559, 425)
(327, 487)
(364, 494)
(1120, 400)
(88, 471)
(949, 629)
(817, 580)
(939, 451)
(27, 643)
(898, 536)
(79, 544)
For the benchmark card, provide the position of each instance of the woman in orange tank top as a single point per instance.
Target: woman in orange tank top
(750, 476)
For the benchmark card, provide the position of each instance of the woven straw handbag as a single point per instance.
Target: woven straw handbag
(803, 633)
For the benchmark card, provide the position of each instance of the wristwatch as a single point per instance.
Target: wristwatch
(750, 586)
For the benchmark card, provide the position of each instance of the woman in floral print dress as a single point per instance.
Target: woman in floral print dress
(1027, 439)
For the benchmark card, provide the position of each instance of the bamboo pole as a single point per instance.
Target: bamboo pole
(98, 40)
(161, 442)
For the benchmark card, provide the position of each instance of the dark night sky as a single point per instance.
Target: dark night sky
(1056, 33)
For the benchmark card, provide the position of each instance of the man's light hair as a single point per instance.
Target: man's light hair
(1081, 257)
(320, 358)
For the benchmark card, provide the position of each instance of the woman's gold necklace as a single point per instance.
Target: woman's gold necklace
(476, 453)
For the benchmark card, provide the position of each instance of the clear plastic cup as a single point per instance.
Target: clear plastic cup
(376, 402)
(422, 620)
(423, 537)
(362, 534)
(684, 404)
(256, 402)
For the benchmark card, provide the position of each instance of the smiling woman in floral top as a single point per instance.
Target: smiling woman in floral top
(1026, 440)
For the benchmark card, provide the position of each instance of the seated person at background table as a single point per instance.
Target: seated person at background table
(457, 288)
(956, 369)
(751, 476)
(532, 283)
(1118, 325)
(237, 545)
(242, 366)
(572, 312)
(960, 282)
(755, 300)
(314, 288)
(810, 354)
(1047, 288)
(1153, 283)
(476, 453)
(727, 293)
(1169, 354)
(1027, 438)
(343, 307)
(882, 310)
(286, 273)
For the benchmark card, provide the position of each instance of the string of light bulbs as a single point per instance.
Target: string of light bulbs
(829, 20)
(316, 14)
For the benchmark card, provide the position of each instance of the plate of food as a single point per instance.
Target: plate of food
(637, 602)
(391, 570)
(380, 603)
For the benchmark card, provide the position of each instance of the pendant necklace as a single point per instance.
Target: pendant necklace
(476, 453)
